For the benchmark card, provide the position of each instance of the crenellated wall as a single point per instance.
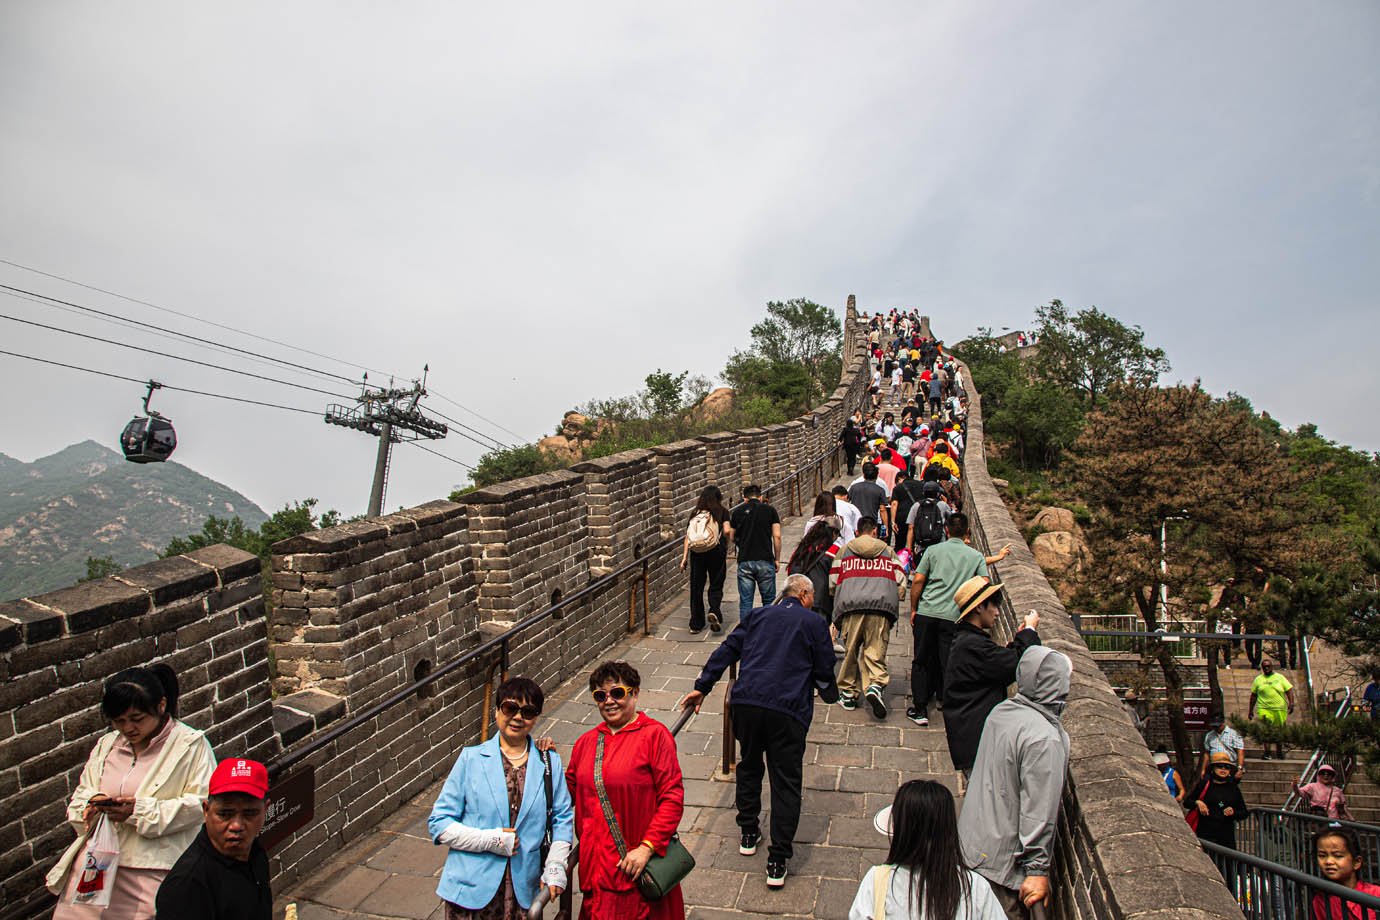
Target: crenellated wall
(201, 613)
(1124, 850)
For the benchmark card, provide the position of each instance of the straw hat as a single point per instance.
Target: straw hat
(972, 593)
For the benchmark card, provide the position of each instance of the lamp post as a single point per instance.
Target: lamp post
(1164, 563)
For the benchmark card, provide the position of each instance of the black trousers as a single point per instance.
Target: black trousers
(852, 456)
(933, 638)
(712, 567)
(902, 531)
(781, 740)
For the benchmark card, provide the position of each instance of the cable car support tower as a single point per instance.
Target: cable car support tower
(392, 415)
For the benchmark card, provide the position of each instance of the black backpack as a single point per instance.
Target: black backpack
(929, 522)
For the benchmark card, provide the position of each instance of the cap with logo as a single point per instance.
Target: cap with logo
(239, 775)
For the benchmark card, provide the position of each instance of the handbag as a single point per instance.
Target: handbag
(662, 873)
(98, 861)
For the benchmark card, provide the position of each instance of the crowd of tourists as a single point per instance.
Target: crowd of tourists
(183, 827)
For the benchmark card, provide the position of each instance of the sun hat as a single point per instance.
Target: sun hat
(882, 821)
(1161, 760)
(1328, 768)
(1223, 759)
(972, 593)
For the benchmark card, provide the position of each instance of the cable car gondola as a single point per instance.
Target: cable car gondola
(149, 438)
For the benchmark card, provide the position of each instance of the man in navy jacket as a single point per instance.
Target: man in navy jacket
(785, 654)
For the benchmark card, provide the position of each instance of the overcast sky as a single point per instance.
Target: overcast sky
(546, 201)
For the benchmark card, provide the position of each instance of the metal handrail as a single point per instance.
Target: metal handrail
(1287, 837)
(543, 897)
(1276, 890)
(281, 764)
(1310, 769)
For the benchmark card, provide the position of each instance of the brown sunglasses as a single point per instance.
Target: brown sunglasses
(510, 708)
(616, 693)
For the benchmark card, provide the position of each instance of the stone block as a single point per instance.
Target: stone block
(171, 579)
(36, 623)
(94, 604)
(230, 563)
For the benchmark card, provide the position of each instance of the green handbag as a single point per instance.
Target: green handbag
(662, 873)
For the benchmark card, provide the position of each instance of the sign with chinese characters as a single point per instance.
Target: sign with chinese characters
(1196, 715)
(290, 804)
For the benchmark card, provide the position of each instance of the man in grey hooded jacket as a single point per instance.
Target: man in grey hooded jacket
(1012, 806)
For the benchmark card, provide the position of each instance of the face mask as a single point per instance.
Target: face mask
(1057, 705)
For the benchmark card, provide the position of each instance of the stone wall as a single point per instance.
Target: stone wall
(202, 614)
(1124, 850)
(362, 610)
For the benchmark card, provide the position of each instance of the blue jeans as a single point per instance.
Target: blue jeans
(763, 576)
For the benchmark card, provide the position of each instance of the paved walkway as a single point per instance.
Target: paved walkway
(853, 765)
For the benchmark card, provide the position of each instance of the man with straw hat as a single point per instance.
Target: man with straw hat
(979, 670)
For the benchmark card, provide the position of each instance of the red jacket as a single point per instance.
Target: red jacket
(643, 781)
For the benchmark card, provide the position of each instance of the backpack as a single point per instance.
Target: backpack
(703, 532)
(929, 523)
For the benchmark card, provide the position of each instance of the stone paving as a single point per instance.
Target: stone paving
(853, 765)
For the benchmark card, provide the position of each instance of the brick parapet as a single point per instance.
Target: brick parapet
(201, 613)
(1123, 849)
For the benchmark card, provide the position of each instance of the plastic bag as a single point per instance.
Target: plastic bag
(97, 864)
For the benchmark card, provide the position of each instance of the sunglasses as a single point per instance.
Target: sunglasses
(510, 709)
(616, 693)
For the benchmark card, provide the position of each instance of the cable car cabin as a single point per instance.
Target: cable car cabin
(148, 439)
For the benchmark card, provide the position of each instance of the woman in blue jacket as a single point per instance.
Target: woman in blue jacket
(492, 814)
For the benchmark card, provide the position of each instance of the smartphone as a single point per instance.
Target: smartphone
(103, 803)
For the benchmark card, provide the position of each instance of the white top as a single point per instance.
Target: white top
(850, 515)
(982, 904)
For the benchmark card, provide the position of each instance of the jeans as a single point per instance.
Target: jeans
(781, 740)
(713, 568)
(759, 573)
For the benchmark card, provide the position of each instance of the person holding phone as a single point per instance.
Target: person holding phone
(494, 813)
(148, 776)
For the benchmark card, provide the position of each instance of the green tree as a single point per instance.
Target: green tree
(797, 334)
(1088, 351)
(512, 463)
(665, 392)
(100, 567)
(289, 521)
(1037, 420)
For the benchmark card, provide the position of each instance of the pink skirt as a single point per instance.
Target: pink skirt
(132, 899)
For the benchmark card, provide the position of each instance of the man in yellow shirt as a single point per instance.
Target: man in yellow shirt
(1272, 697)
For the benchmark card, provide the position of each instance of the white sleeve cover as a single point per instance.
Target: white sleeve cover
(554, 872)
(468, 839)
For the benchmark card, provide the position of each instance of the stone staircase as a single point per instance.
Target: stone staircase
(1267, 784)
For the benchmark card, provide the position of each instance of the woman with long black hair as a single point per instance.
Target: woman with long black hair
(851, 440)
(924, 877)
(812, 559)
(709, 565)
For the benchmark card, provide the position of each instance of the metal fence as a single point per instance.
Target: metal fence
(1286, 837)
(1266, 890)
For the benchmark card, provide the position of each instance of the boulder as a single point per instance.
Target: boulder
(1056, 551)
(717, 404)
(559, 447)
(1055, 520)
(574, 426)
(1001, 484)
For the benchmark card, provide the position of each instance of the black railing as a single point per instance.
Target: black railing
(1266, 890)
(1286, 837)
(498, 646)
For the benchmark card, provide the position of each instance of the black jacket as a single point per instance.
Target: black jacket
(1215, 825)
(975, 682)
(204, 885)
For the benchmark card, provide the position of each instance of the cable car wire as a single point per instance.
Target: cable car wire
(192, 316)
(195, 318)
(499, 445)
(166, 386)
(470, 411)
(420, 446)
(35, 296)
(162, 354)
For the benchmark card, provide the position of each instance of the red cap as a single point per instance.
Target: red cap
(240, 775)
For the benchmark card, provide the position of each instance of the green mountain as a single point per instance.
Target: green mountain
(87, 500)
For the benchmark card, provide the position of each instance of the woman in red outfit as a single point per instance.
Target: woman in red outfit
(641, 777)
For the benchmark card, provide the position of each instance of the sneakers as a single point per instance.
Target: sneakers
(839, 649)
(696, 630)
(776, 873)
(874, 699)
(919, 718)
(848, 702)
(747, 844)
(716, 623)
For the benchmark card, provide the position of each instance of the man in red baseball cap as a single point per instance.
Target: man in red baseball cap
(224, 873)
